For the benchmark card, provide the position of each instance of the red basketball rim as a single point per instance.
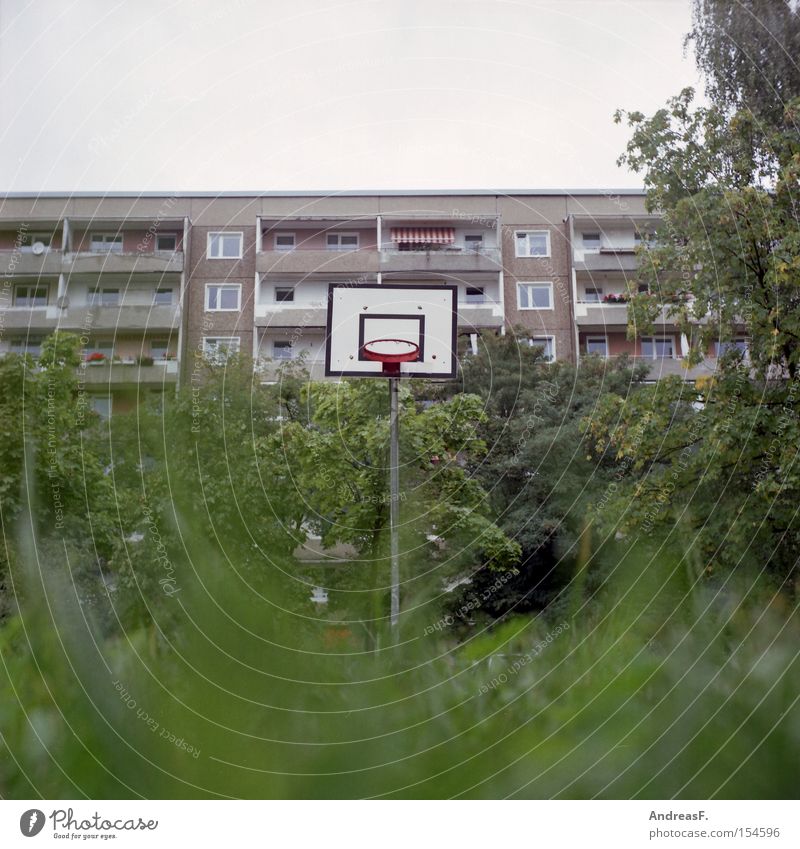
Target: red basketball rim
(391, 350)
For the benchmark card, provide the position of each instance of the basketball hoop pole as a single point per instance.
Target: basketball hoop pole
(394, 500)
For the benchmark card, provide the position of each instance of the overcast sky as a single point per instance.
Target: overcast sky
(273, 95)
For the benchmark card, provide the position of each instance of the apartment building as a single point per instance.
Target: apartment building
(155, 284)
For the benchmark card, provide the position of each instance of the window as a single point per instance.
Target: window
(342, 241)
(225, 245)
(217, 349)
(101, 404)
(31, 345)
(739, 345)
(103, 297)
(30, 296)
(282, 350)
(284, 242)
(167, 242)
(591, 241)
(223, 297)
(476, 294)
(473, 241)
(597, 345)
(658, 347)
(548, 345)
(593, 296)
(532, 243)
(535, 296)
(284, 294)
(101, 346)
(28, 240)
(106, 243)
(159, 348)
(162, 297)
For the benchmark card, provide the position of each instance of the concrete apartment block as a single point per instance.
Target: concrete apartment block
(174, 277)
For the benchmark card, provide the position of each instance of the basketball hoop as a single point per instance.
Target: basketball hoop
(391, 352)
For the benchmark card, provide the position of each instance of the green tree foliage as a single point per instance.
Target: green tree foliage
(714, 463)
(539, 479)
(747, 52)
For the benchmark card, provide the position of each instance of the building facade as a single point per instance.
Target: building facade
(154, 283)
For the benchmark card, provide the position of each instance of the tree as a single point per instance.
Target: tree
(747, 52)
(714, 463)
(335, 457)
(540, 482)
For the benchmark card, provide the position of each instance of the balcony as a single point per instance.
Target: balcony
(121, 317)
(670, 367)
(269, 370)
(485, 313)
(92, 262)
(119, 374)
(311, 260)
(298, 315)
(608, 259)
(19, 263)
(446, 258)
(595, 314)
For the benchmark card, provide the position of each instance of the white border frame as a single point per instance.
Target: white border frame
(532, 256)
(283, 248)
(532, 343)
(549, 283)
(212, 233)
(218, 338)
(116, 234)
(596, 337)
(660, 337)
(174, 235)
(237, 286)
(339, 248)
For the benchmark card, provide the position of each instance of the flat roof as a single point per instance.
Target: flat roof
(606, 192)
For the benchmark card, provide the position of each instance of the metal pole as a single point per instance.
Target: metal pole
(394, 499)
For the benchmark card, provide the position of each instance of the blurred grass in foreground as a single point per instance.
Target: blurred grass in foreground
(651, 688)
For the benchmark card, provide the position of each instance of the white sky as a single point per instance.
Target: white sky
(272, 95)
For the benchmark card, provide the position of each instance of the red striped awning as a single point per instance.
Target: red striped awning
(424, 235)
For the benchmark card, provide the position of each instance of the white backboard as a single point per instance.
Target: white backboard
(424, 315)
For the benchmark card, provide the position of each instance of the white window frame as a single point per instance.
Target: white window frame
(598, 290)
(539, 284)
(597, 338)
(23, 344)
(475, 298)
(162, 290)
(473, 242)
(535, 342)
(339, 246)
(592, 248)
(108, 241)
(519, 233)
(155, 342)
(734, 343)
(284, 233)
(290, 349)
(34, 287)
(217, 234)
(278, 300)
(235, 349)
(160, 236)
(96, 296)
(30, 239)
(109, 398)
(236, 286)
(653, 340)
(101, 346)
